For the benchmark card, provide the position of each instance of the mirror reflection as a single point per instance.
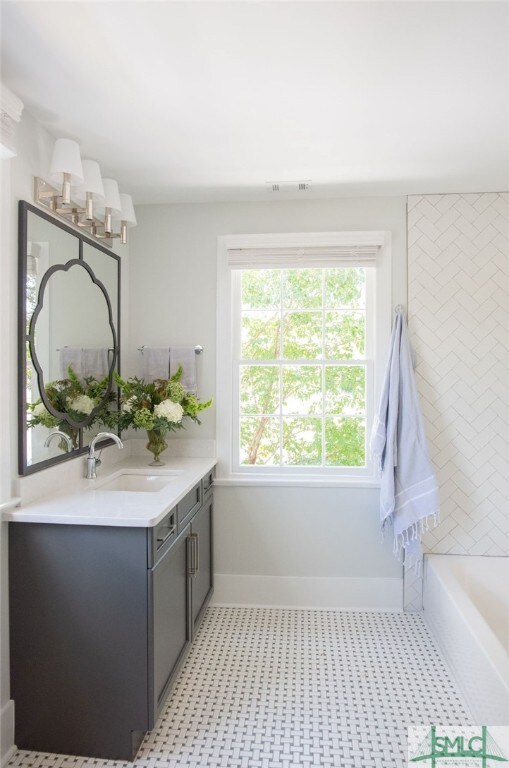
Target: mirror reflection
(70, 327)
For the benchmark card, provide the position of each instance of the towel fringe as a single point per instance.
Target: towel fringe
(414, 532)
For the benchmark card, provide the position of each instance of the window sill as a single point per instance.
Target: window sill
(314, 481)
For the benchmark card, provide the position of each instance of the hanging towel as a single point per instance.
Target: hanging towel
(186, 357)
(71, 356)
(95, 363)
(156, 363)
(408, 489)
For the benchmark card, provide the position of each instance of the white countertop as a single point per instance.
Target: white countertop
(84, 503)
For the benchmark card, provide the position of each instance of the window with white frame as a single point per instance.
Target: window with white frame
(300, 331)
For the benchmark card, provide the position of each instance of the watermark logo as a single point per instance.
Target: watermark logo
(454, 746)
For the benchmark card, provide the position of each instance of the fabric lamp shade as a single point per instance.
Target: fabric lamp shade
(127, 213)
(111, 196)
(92, 183)
(66, 159)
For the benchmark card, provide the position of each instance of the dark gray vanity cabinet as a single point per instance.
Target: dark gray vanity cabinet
(78, 638)
(101, 619)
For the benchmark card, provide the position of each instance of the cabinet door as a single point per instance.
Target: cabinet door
(202, 579)
(170, 621)
(78, 621)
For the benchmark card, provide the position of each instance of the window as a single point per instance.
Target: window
(297, 341)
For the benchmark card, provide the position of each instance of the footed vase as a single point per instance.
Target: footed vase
(156, 445)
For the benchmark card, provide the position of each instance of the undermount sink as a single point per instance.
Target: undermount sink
(136, 483)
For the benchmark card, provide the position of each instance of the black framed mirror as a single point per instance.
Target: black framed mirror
(69, 339)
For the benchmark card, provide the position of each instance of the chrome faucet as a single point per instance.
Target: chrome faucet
(92, 461)
(61, 436)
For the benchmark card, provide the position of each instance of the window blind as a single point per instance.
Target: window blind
(303, 257)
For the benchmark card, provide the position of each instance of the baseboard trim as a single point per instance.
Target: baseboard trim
(7, 745)
(332, 593)
(8, 756)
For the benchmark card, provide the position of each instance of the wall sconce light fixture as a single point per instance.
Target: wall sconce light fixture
(84, 199)
(92, 190)
(66, 168)
(127, 216)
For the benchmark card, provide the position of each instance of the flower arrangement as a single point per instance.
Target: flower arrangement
(157, 407)
(77, 398)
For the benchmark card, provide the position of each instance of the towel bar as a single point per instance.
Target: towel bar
(59, 349)
(198, 349)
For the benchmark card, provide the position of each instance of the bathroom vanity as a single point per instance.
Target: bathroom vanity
(108, 585)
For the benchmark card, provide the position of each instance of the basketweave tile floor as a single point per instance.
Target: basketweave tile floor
(280, 688)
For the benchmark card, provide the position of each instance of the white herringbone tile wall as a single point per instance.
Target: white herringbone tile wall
(458, 315)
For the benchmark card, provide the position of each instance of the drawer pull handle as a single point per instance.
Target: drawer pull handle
(193, 559)
(171, 531)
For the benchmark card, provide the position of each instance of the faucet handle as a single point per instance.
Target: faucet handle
(92, 461)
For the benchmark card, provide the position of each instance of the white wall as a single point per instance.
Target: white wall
(6, 458)
(34, 146)
(288, 536)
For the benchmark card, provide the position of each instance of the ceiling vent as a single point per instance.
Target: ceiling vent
(288, 186)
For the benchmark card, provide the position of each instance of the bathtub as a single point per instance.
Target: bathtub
(466, 606)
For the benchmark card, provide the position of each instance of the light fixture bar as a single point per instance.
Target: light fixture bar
(51, 199)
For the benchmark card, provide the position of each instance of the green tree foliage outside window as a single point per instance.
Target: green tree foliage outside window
(302, 377)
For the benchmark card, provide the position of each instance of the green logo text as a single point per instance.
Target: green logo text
(435, 747)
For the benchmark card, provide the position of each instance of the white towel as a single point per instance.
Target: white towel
(409, 489)
(71, 356)
(186, 357)
(95, 363)
(156, 363)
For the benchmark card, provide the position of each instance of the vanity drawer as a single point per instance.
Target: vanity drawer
(162, 537)
(208, 481)
(189, 505)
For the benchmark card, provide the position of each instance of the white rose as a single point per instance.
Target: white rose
(39, 409)
(170, 411)
(82, 404)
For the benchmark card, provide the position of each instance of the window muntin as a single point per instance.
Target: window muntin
(302, 369)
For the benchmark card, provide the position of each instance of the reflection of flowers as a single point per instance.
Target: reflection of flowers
(76, 398)
(39, 411)
(82, 404)
(129, 404)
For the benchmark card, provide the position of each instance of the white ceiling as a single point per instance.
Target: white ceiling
(195, 101)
